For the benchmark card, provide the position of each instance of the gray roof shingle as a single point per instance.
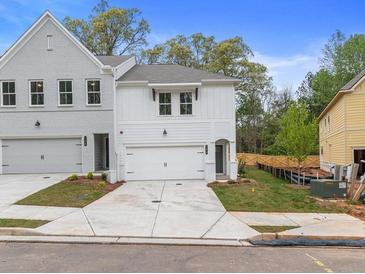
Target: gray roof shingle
(113, 61)
(170, 74)
(354, 80)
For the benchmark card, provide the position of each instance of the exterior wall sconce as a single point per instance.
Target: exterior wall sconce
(85, 141)
(121, 132)
(196, 94)
(154, 94)
(206, 149)
(164, 132)
(37, 124)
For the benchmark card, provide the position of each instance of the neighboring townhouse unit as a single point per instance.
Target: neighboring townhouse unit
(65, 110)
(342, 126)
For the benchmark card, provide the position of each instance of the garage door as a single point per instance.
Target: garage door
(163, 163)
(41, 155)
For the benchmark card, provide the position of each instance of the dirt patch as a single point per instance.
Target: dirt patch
(240, 181)
(95, 181)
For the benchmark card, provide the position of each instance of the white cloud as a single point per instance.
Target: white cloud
(288, 71)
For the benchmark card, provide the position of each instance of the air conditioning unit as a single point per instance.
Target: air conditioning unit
(326, 188)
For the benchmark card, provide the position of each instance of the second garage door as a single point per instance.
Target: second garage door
(41, 155)
(163, 163)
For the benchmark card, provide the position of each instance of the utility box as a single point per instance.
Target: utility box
(326, 188)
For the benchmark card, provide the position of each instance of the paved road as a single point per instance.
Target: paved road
(28, 257)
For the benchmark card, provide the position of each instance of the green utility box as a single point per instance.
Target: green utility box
(326, 188)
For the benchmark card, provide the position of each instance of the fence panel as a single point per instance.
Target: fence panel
(252, 159)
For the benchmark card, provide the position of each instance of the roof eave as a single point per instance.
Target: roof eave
(333, 101)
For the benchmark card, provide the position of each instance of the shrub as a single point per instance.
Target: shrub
(73, 177)
(101, 184)
(104, 176)
(241, 168)
(90, 176)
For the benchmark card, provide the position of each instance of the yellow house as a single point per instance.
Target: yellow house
(342, 126)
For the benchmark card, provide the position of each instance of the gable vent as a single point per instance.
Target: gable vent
(49, 42)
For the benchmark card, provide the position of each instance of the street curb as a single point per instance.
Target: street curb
(122, 240)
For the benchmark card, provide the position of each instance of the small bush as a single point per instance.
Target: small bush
(73, 177)
(241, 168)
(104, 176)
(90, 176)
(101, 184)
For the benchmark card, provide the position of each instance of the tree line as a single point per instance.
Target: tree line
(269, 121)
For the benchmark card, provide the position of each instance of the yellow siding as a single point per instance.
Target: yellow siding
(347, 128)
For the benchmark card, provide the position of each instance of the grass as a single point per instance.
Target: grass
(21, 223)
(65, 194)
(269, 194)
(271, 229)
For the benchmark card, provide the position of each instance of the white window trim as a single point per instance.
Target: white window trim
(87, 93)
(59, 93)
(1, 94)
(192, 104)
(171, 103)
(30, 94)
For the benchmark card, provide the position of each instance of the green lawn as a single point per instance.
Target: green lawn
(65, 194)
(21, 223)
(271, 229)
(270, 194)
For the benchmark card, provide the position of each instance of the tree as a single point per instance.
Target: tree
(110, 30)
(298, 133)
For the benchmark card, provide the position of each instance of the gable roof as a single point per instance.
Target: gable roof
(113, 61)
(171, 74)
(21, 41)
(354, 80)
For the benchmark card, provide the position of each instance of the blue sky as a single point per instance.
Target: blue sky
(287, 36)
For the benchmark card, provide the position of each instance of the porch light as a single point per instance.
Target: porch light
(37, 124)
(164, 132)
(154, 94)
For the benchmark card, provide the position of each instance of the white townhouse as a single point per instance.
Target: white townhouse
(63, 109)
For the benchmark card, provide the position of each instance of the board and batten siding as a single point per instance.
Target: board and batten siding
(139, 122)
(64, 61)
(347, 128)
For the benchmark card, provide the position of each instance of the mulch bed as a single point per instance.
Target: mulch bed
(83, 180)
(239, 181)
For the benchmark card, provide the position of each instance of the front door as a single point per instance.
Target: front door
(219, 159)
(107, 153)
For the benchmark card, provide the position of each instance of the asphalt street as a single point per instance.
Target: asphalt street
(42, 257)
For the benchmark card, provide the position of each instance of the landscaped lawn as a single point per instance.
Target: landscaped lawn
(269, 194)
(21, 223)
(69, 193)
(271, 229)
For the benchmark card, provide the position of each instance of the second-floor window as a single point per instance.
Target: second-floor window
(8, 94)
(164, 103)
(36, 93)
(65, 92)
(186, 103)
(93, 92)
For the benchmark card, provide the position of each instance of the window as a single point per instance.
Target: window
(36, 93)
(65, 92)
(186, 103)
(49, 42)
(93, 92)
(8, 94)
(165, 103)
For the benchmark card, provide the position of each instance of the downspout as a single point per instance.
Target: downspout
(117, 167)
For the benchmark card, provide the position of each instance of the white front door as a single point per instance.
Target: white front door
(41, 155)
(163, 163)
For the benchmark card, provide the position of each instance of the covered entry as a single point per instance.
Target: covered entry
(359, 154)
(41, 155)
(165, 162)
(222, 159)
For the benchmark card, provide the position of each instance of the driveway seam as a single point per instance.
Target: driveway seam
(158, 208)
(88, 221)
(213, 225)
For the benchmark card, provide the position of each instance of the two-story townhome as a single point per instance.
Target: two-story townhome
(62, 109)
(342, 127)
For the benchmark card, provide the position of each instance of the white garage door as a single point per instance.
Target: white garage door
(163, 163)
(41, 155)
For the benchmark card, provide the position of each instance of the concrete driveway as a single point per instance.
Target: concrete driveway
(16, 187)
(176, 209)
